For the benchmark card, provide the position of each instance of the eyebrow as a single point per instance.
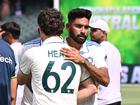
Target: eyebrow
(82, 25)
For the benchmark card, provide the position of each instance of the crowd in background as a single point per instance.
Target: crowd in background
(19, 7)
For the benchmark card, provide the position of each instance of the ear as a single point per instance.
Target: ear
(40, 31)
(67, 26)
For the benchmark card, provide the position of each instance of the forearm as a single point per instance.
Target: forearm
(99, 74)
(13, 91)
(13, 101)
(85, 93)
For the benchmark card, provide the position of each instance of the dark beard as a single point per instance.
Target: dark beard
(80, 38)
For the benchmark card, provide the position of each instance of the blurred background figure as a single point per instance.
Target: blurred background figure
(25, 14)
(5, 8)
(8, 81)
(18, 8)
(111, 94)
(11, 35)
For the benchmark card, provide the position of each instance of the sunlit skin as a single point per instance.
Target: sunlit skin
(97, 35)
(78, 31)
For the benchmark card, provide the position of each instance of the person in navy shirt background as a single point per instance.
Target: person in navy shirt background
(8, 80)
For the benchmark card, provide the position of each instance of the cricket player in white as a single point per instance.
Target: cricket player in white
(55, 81)
(51, 74)
(95, 54)
(91, 56)
(110, 95)
(27, 94)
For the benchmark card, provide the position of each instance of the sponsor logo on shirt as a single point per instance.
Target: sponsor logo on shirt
(5, 59)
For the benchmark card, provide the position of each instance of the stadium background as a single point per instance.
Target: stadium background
(123, 19)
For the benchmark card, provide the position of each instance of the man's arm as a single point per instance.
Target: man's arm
(99, 74)
(13, 90)
(22, 78)
(87, 89)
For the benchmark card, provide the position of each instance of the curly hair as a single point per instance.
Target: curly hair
(79, 13)
(51, 22)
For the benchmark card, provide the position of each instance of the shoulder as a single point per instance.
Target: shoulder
(5, 47)
(32, 43)
(32, 50)
(30, 53)
(108, 45)
(92, 43)
(36, 41)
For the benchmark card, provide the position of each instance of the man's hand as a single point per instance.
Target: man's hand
(73, 55)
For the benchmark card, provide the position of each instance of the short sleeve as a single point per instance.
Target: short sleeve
(13, 68)
(99, 57)
(84, 74)
(26, 62)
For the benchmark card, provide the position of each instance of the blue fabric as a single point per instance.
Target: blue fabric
(7, 70)
(91, 43)
(34, 41)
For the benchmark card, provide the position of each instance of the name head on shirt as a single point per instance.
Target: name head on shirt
(55, 54)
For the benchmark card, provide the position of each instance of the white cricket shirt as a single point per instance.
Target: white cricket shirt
(55, 81)
(95, 55)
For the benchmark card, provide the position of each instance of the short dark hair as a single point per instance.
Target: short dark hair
(51, 21)
(79, 13)
(13, 28)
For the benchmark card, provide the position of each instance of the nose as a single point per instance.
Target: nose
(84, 29)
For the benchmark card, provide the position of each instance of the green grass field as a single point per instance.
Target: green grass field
(130, 94)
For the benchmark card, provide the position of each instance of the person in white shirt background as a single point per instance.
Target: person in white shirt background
(111, 94)
(11, 36)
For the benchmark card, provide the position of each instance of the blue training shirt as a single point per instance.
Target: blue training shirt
(7, 71)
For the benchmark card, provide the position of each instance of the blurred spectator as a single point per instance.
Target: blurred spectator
(11, 7)
(8, 81)
(18, 8)
(11, 35)
(5, 8)
(110, 95)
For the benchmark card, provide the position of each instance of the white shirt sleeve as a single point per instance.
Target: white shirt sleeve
(26, 62)
(99, 57)
(84, 74)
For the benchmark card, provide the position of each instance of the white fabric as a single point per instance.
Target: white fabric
(111, 93)
(101, 24)
(96, 55)
(27, 94)
(17, 48)
(47, 60)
